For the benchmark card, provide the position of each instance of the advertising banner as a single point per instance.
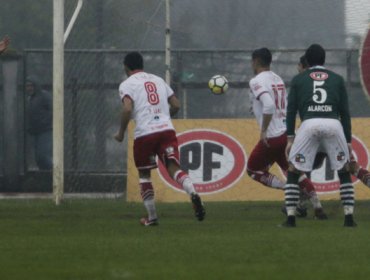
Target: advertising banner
(214, 153)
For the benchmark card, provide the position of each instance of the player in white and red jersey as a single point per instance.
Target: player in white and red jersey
(268, 96)
(151, 103)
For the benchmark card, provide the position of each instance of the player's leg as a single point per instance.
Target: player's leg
(145, 161)
(361, 173)
(184, 180)
(338, 155)
(307, 189)
(147, 194)
(309, 192)
(301, 209)
(260, 161)
(301, 158)
(169, 155)
(347, 195)
(291, 196)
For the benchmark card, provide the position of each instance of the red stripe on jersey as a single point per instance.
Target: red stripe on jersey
(258, 97)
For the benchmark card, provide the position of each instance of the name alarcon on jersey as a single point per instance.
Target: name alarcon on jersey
(320, 108)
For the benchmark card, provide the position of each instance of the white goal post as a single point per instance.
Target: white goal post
(59, 39)
(168, 44)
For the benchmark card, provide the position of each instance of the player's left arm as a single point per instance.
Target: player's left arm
(127, 106)
(174, 105)
(344, 113)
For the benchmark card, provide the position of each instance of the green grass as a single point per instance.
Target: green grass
(102, 239)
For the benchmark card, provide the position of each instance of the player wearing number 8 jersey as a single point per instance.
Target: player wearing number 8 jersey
(151, 103)
(268, 96)
(319, 97)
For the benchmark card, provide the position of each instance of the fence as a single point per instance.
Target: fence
(93, 160)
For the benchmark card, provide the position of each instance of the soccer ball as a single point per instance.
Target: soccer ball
(218, 84)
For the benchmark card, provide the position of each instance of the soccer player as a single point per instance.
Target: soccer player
(268, 97)
(354, 168)
(151, 103)
(4, 43)
(319, 96)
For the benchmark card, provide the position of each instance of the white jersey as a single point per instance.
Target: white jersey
(149, 94)
(267, 82)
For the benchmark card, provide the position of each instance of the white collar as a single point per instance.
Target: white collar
(317, 67)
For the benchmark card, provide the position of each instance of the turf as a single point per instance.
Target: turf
(102, 239)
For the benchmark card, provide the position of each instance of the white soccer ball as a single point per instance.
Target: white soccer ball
(218, 84)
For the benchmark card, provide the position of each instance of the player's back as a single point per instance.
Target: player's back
(267, 82)
(320, 93)
(149, 94)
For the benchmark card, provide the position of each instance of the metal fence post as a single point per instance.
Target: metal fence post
(11, 152)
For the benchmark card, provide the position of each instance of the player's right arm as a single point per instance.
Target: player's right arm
(127, 107)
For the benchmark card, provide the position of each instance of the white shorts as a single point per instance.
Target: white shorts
(321, 134)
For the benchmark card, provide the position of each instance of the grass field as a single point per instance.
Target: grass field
(102, 239)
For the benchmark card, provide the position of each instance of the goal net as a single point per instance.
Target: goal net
(207, 38)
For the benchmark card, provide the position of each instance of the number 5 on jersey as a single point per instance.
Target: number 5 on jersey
(319, 98)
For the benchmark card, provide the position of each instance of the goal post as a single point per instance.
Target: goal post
(59, 39)
(58, 100)
(168, 43)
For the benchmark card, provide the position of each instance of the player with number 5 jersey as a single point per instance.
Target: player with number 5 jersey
(319, 96)
(322, 94)
(151, 102)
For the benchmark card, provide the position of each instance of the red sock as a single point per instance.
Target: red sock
(146, 190)
(364, 176)
(180, 176)
(307, 186)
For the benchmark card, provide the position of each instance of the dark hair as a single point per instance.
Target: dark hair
(263, 55)
(315, 55)
(134, 61)
(303, 61)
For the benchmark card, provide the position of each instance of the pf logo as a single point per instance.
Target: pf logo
(326, 180)
(214, 161)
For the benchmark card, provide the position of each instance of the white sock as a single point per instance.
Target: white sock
(184, 180)
(348, 210)
(290, 211)
(150, 208)
(315, 201)
(277, 183)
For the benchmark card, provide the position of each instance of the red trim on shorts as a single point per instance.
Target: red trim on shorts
(147, 167)
(155, 133)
